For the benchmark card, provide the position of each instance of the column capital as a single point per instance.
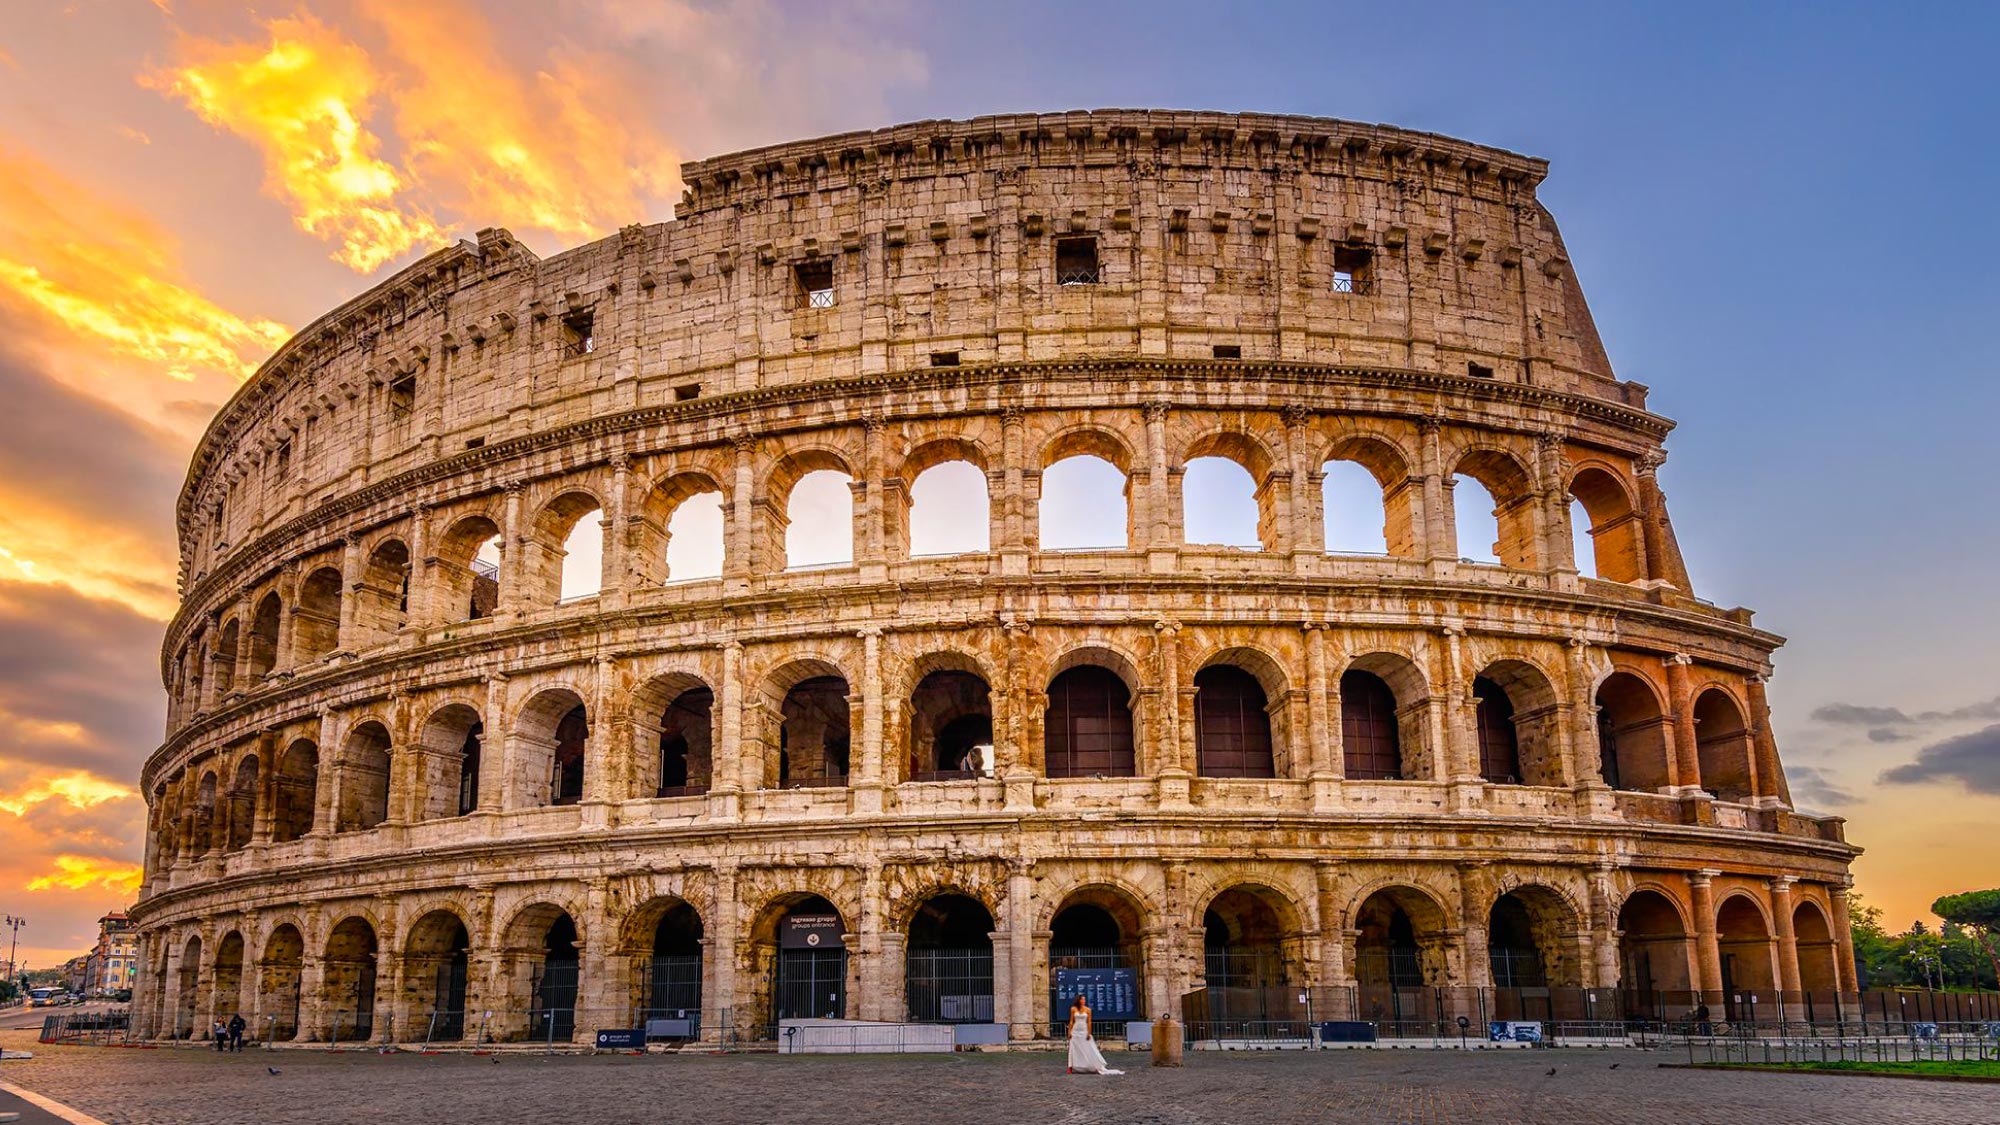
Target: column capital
(513, 487)
(1782, 884)
(1703, 878)
(1649, 462)
(743, 443)
(1680, 659)
(1297, 414)
(1157, 411)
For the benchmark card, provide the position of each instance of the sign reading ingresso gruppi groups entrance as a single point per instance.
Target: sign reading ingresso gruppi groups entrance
(811, 931)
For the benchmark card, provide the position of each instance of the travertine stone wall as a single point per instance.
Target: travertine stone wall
(1280, 292)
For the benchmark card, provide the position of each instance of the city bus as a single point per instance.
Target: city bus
(44, 997)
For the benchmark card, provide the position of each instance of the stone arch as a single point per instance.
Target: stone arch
(1243, 716)
(1097, 923)
(1518, 715)
(540, 972)
(1724, 746)
(1403, 931)
(777, 548)
(673, 723)
(946, 718)
(1385, 719)
(382, 597)
(798, 957)
(805, 726)
(674, 540)
(1534, 938)
(948, 958)
(664, 938)
(280, 970)
(1248, 453)
(1655, 966)
(1633, 748)
(364, 771)
(1395, 496)
(228, 642)
(207, 794)
(552, 731)
(297, 791)
(241, 807)
(466, 586)
(565, 552)
(1503, 476)
(264, 628)
(316, 618)
(451, 751)
(1744, 937)
(437, 970)
(1091, 720)
(1253, 953)
(1054, 487)
(1617, 534)
(350, 976)
(939, 479)
(227, 988)
(1819, 953)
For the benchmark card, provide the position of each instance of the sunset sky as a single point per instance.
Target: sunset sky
(1783, 218)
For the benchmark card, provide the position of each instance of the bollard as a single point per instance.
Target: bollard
(1167, 1044)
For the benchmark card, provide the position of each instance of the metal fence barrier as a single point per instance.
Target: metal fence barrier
(1924, 1043)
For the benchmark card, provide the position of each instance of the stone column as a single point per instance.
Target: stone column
(1558, 539)
(313, 1018)
(350, 587)
(1334, 970)
(283, 659)
(873, 547)
(1323, 764)
(423, 569)
(1440, 534)
(325, 784)
(616, 568)
(721, 937)
(1843, 937)
(1475, 904)
(739, 553)
(493, 744)
(601, 1000)
(867, 783)
(1170, 759)
(1604, 929)
(1788, 941)
(1771, 785)
(1020, 953)
(1707, 950)
(1306, 533)
(513, 555)
(1658, 564)
(609, 748)
(1010, 534)
(1686, 759)
(725, 786)
(1158, 518)
(873, 1001)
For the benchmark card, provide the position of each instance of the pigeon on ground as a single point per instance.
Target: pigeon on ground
(272, 1069)
(1614, 1066)
(1552, 1070)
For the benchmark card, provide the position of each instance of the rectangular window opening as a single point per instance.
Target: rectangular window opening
(687, 391)
(403, 397)
(474, 443)
(944, 359)
(1478, 370)
(1229, 351)
(579, 338)
(1076, 261)
(1350, 269)
(816, 283)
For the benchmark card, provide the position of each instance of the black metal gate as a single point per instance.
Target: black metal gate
(554, 1015)
(810, 984)
(449, 1019)
(949, 985)
(673, 989)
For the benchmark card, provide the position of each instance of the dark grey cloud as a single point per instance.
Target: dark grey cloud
(1889, 734)
(1972, 760)
(1817, 788)
(1854, 714)
(70, 662)
(83, 454)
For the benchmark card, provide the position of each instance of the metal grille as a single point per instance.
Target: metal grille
(949, 985)
(819, 299)
(1499, 747)
(554, 1014)
(1371, 745)
(811, 984)
(1088, 727)
(1232, 732)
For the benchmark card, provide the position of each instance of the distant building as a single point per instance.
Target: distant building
(74, 971)
(113, 963)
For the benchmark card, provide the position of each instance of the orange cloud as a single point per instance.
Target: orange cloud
(77, 789)
(303, 98)
(84, 872)
(102, 272)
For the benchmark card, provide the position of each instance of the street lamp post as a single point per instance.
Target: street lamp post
(14, 946)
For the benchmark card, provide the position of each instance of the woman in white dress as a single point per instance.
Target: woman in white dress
(1084, 1057)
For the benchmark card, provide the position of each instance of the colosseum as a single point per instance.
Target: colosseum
(511, 699)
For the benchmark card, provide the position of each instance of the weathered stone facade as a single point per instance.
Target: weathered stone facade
(361, 787)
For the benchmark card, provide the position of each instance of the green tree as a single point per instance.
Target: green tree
(1979, 913)
(1877, 952)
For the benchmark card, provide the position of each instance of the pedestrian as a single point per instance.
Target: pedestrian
(1084, 1057)
(1702, 1024)
(237, 1025)
(221, 1033)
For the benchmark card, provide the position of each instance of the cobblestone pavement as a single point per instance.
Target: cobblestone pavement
(1514, 1087)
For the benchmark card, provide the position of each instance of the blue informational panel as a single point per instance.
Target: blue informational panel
(1113, 993)
(623, 1038)
(1514, 1031)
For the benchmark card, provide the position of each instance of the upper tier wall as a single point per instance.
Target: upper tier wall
(1210, 229)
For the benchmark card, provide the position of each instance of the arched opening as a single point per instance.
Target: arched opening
(1087, 729)
(1493, 503)
(264, 637)
(1371, 745)
(1084, 505)
(950, 511)
(436, 967)
(1499, 748)
(297, 791)
(350, 981)
(1617, 539)
(1243, 959)
(583, 558)
(819, 520)
(1232, 724)
(1356, 516)
(227, 641)
(695, 539)
(1512, 950)
(188, 1003)
(565, 557)
(951, 727)
(451, 742)
(1631, 735)
(316, 622)
(229, 977)
(814, 734)
(1219, 504)
(242, 809)
(686, 744)
(673, 974)
(364, 778)
(1747, 958)
(1723, 746)
(1399, 951)
(204, 813)
(468, 571)
(1097, 932)
(556, 981)
(382, 601)
(278, 975)
(1818, 955)
(554, 733)
(1533, 946)
(948, 963)
(809, 972)
(1654, 973)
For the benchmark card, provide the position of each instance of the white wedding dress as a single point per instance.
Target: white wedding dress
(1084, 1057)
